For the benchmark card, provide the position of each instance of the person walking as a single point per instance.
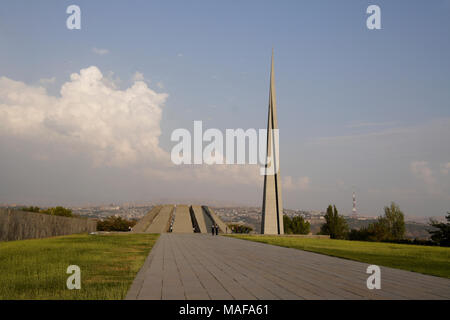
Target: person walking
(212, 229)
(217, 230)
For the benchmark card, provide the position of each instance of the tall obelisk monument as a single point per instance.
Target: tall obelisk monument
(272, 207)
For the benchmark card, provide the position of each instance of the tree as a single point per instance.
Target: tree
(287, 224)
(395, 220)
(113, 223)
(378, 230)
(335, 224)
(295, 225)
(389, 227)
(240, 228)
(30, 209)
(359, 235)
(58, 211)
(441, 233)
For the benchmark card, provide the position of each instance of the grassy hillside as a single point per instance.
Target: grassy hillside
(428, 260)
(36, 269)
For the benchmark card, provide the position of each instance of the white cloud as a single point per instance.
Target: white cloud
(369, 124)
(100, 52)
(113, 127)
(303, 183)
(292, 184)
(108, 126)
(422, 171)
(288, 183)
(138, 76)
(355, 138)
(111, 80)
(409, 135)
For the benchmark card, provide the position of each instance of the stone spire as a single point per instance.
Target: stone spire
(272, 207)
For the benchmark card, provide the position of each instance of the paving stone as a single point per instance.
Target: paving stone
(202, 266)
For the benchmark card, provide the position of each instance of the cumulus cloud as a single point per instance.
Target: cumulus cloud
(292, 184)
(422, 171)
(138, 76)
(99, 51)
(94, 120)
(113, 127)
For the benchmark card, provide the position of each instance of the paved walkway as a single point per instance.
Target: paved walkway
(196, 266)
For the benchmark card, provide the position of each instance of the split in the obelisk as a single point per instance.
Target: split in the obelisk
(272, 207)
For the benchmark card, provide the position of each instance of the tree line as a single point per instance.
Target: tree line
(239, 228)
(295, 225)
(55, 211)
(389, 227)
(111, 223)
(114, 223)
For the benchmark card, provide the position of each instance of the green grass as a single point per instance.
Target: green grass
(36, 269)
(424, 259)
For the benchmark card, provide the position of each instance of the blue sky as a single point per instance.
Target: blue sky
(359, 109)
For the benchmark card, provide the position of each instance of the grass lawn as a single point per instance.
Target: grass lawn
(424, 259)
(36, 269)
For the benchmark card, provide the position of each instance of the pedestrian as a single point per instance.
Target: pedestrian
(212, 229)
(217, 230)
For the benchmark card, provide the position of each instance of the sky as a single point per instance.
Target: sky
(86, 115)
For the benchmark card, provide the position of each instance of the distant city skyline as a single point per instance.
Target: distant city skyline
(86, 115)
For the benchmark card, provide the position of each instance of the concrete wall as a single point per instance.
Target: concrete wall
(222, 226)
(160, 223)
(145, 222)
(18, 225)
(201, 219)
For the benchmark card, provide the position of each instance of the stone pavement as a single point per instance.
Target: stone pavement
(199, 266)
